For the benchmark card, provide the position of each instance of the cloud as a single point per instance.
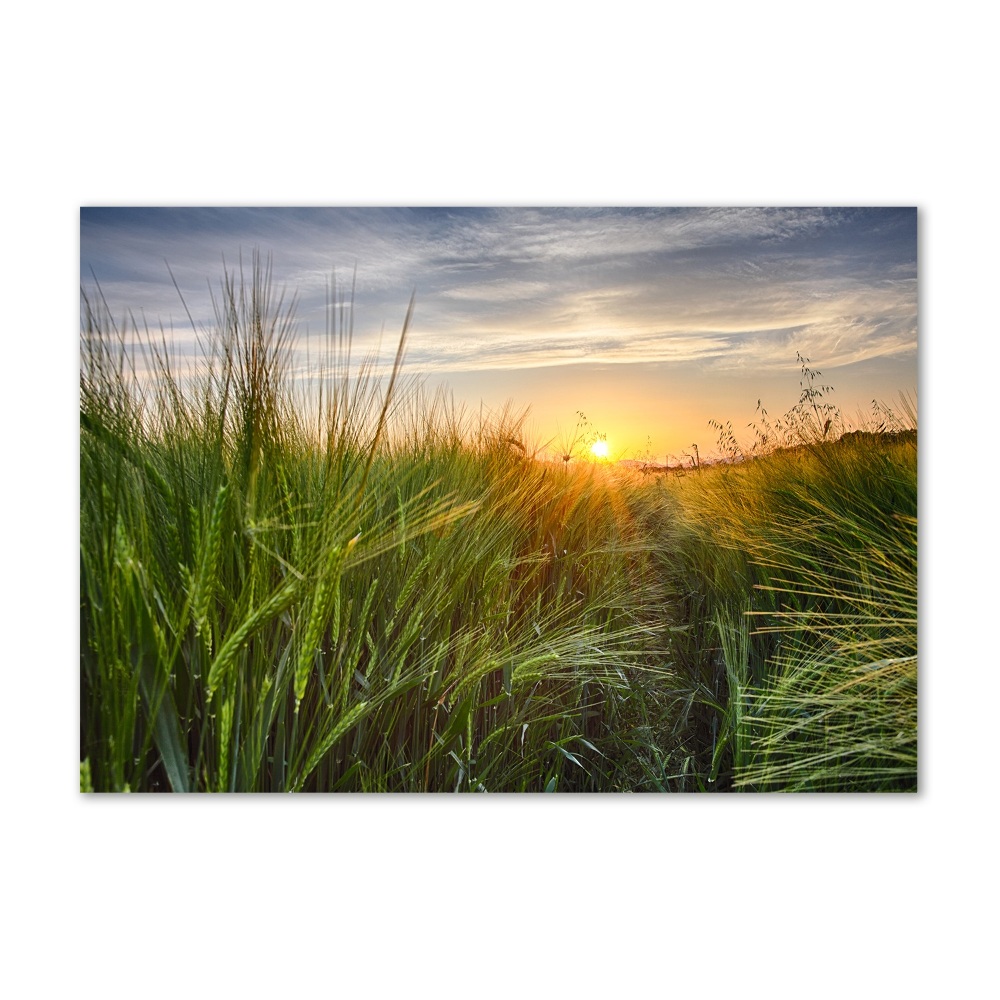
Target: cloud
(736, 287)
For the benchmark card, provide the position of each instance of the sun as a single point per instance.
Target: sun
(600, 449)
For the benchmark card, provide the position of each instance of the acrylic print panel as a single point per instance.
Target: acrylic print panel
(498, 499)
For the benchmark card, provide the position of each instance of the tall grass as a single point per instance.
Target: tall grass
(796, 573)
(337, 586)
(324, 580)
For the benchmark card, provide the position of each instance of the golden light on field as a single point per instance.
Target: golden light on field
(600, 449)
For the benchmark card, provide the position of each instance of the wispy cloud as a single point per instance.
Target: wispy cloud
(533, 287)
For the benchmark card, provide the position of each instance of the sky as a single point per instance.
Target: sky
(649, 321)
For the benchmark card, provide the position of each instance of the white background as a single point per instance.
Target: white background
(522, 103)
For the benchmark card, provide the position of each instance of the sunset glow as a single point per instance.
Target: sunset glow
(652, 321)
(600, 449)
